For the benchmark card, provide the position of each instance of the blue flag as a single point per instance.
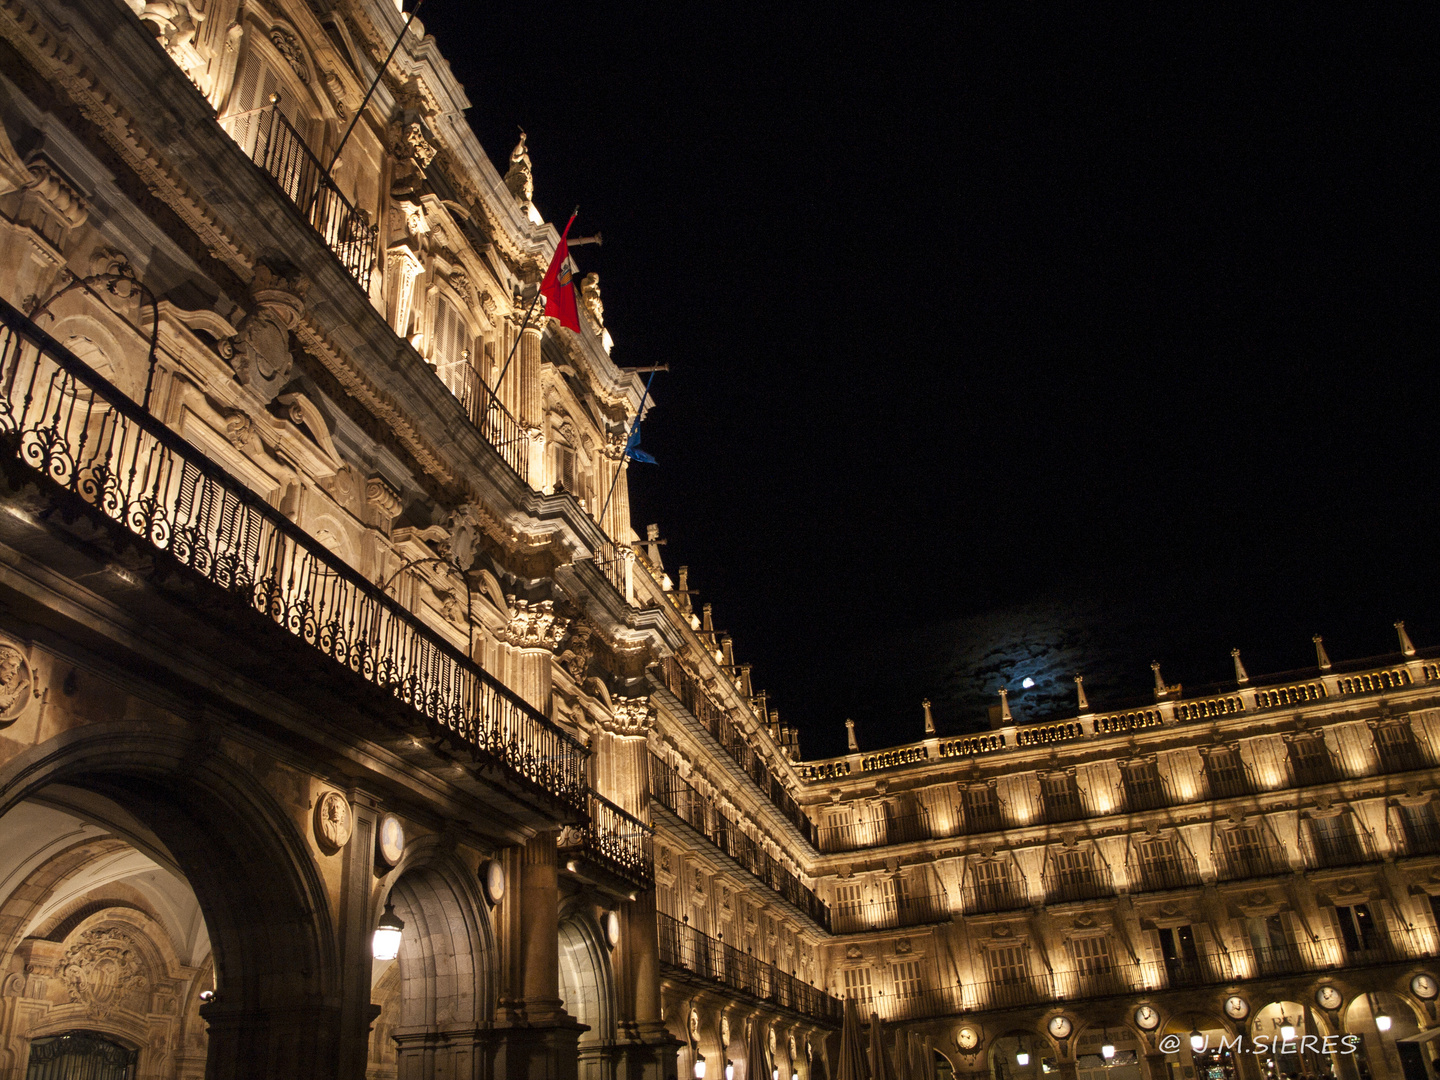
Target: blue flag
(633, 451)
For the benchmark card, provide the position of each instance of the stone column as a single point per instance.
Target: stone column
(529, 408)
(539, 929)
(357, 888)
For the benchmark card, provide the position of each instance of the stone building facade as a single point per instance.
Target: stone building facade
(321, 609)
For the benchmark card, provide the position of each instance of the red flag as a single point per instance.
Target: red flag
(558, 288)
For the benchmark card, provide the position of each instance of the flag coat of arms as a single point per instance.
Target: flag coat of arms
(558, 286)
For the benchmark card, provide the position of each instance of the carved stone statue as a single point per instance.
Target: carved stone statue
(590, 298)
(519, 180)
(14, 682)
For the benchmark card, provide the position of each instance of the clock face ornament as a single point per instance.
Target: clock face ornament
(1328, 997)
(1424, 986)
(1060, 1027)
(1237, 1008)
(967, 1038)
(1147, 1018)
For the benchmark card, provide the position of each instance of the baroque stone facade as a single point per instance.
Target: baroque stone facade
(316, 615)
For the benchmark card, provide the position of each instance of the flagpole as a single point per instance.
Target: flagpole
(625, 455)
(516, 343)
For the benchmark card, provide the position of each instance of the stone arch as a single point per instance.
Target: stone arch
(447, 949)
(587, 985)
(260, 893)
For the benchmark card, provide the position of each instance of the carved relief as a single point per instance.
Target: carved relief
(101, 970)
(534, 627)
(176, 24)
(578, 651)
(16, 682)
(334, 821)
(289, 48)
(631, 716)
(260, 352)
(725, 1030)
(590, 299)
(519, 179)
(384, 500)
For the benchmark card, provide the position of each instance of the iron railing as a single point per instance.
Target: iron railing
(1062, 886)
(989, 897)
(71, 426)
(873, 832)
(678, 796)
(281, 151)
(499, 428)
(1181, 872)
(1410, 838)
(614, 839)
(714, 719)
(886, 914)
(1348, 845)
(683, 946)
(1253, 861)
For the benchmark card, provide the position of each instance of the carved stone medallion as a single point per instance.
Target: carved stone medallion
(725, 1030)
(15, 681)
(694, 1026)
(101, 970)
(333, 821)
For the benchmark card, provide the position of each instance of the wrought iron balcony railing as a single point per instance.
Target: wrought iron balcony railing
(1237, 864)
(679, 797)
(853, 917)
(279, 149)
(615, 840)
(499, 428)
(1409, 839)
(873, 832)
(1093, 884)
(684, 947)
(76, 430)
(1348, 845)
(1179, 873)
(989, 897)
(714, 719)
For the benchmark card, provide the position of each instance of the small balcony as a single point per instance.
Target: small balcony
(990, 897)
(1177, 873)
(1067, 886)
(686, 950)
(886, 914)
(900, 829)
(1256, 861)
(1412, 838)
(1345, 845)
(616, 842)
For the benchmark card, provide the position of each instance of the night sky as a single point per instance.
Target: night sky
(1006, 341)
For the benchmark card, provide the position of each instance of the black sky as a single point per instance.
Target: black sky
(1086, 332)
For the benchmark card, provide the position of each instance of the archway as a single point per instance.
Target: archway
(1377, 1046)
(80, 1053)
(585, 988)
(1018, 1055)
(1291, 1036)
(212, 826)
(444, 964)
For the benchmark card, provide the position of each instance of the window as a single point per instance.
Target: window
(906, 978)
(1418, 829)
(1073, 865)
(250, 123)
(1143, 789)
(1357, 928)
(1269, 939)
(1226, 773)
(1396, 748)
(1179, 954)
(80, 1053)
(450, 338)
(982, 808)
(1091, 955)
(1335, 842)
(848, 900)
(1061, 796)
(857, 985)
(1310, 760)
(839, 833)
(1008, 964)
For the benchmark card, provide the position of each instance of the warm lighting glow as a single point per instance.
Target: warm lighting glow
(775, 1073)
(1108, 1050)
(1287, 1029)
(1197, 1041)
(1382, 1021)
(1022, 1058)
(699, 1065)
(729, 1070)
(386, 943)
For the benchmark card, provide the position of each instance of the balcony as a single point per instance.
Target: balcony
(1216, 969)
(1413, 838)
(901, 829)
(683, 949)
(616, 842)
(1347, 845)
(889, 913)
(1314, 764)
(1064, 887)
(1238, 864)
(991, 897)
(714, 719)
(1177, 873)
(78, 435)
(278, 149)
(680, 799)
(1230, 780)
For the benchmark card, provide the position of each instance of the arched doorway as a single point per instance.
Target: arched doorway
(1377, 1045)
(85, 1054)
(585, 987)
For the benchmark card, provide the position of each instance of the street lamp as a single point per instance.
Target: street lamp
(1022, 1057)
(1107, 1048)
(386, 943)
(729, 1069)
(1382, 1021)
(1197, 1040)
(699, 1065)
(1287, 1029)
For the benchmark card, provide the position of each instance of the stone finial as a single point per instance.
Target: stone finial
(1406, 645)
(929, 718)
(1240, 676)
(1321, 657)
(1080, 693)
(520, 178)
(1159, 680)
(1005, 706)
(850, 736)
(682, 597)
(707, 620)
